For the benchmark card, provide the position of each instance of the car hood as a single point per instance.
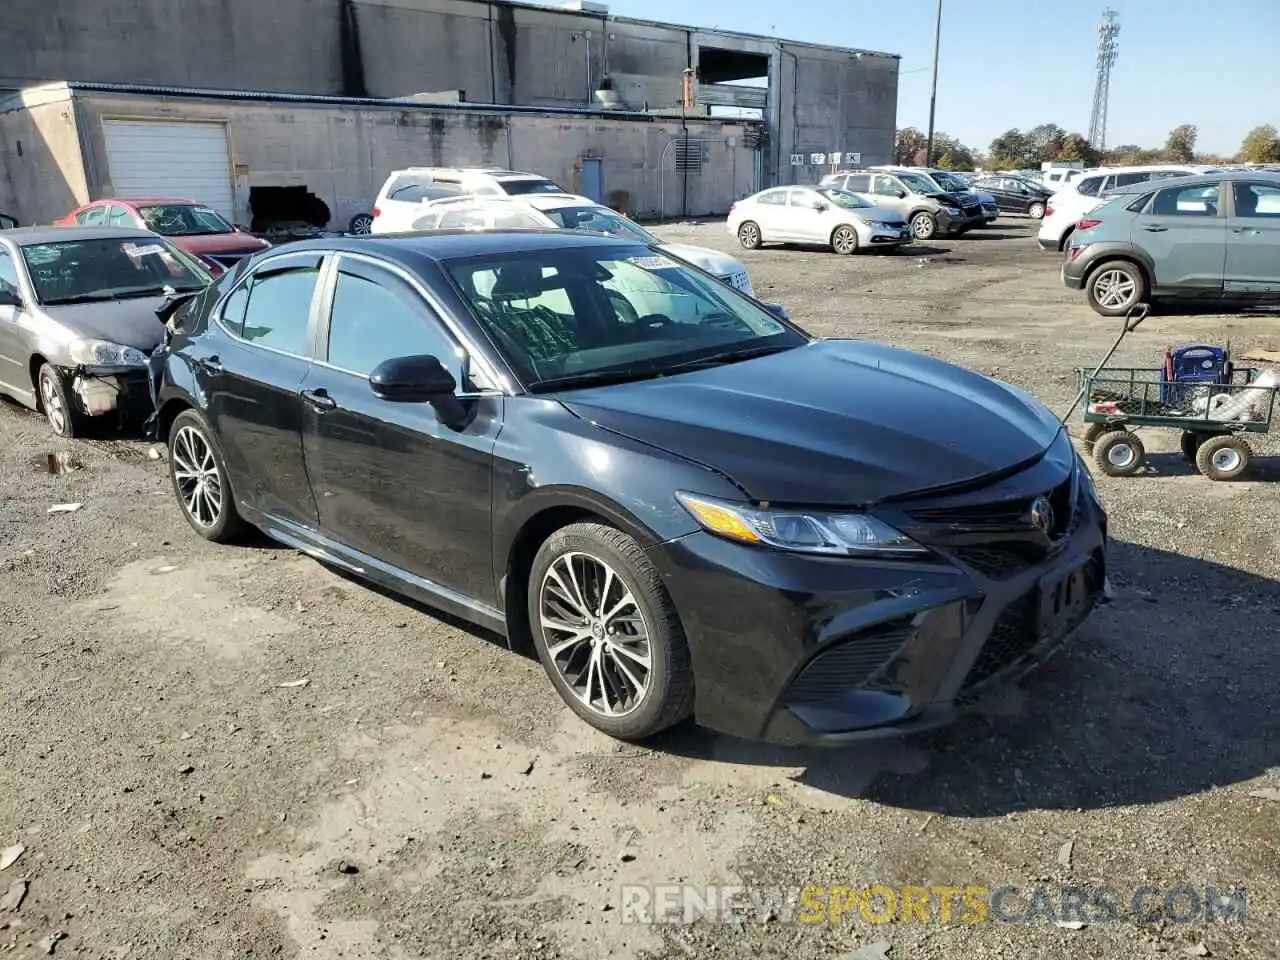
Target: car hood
(712, 261)
(835, 422)
(983, 197)
(132, 322)
(877, 215)
(220, 243)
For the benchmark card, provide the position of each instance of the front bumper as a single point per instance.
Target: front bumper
(820, 651)
(990, 212)
(98, 393)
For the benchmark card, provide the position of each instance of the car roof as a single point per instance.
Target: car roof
(439, 245)
(539, 201)
(28, 236)
(498, 173)
(1230, 176)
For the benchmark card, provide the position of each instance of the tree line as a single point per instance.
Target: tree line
(1020, 150)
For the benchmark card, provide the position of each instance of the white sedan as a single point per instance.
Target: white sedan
(825, 216)
(565, 211)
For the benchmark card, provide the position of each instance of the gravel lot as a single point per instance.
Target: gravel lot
(179, 795)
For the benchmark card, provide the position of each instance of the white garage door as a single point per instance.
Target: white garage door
(154, 159)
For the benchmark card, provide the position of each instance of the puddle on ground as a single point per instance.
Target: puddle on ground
(56, 463)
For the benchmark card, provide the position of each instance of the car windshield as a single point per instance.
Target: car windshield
(949, 182)
(517, 188)
(843, 198)
(918, 183)
(600, 220)
(108, 268)
(183, 220)
(574, 316)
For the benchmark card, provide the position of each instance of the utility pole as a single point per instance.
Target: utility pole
(933, 94)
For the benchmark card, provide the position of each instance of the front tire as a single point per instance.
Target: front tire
(1114, 287)
(608, 634)
(749, 235)
(844, 241)
(1119, 453)
(199, 477)
(57, 405)
(1036, 211)
(1224, 457)
(924, 226)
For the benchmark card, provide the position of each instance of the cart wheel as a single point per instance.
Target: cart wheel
(1224, 457)
(1093, 431)
(1119, 453)
(1191, 441)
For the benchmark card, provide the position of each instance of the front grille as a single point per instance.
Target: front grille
(1016, 632)
(849, 665)
(998, 539)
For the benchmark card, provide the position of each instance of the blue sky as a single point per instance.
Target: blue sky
(1016, 63)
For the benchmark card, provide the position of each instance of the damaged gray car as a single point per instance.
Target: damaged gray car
(78, 319)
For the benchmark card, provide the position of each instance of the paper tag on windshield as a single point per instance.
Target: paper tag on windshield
(143, 249)
(651, 263)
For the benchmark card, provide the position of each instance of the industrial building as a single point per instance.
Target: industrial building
(300, 108)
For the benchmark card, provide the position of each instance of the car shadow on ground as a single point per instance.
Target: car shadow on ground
(1263, 468)
(1168, 691)
(1163, 307)
(989, 234)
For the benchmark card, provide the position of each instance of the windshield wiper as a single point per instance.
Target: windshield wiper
(80, 298)
(728, 356)
(594, 378)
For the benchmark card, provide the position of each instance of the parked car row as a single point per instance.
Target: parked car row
(679, 498)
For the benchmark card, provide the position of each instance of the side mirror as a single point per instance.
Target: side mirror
(778, 310)
(9, 298)
(819, 205)
(419, 379)
(900, 194)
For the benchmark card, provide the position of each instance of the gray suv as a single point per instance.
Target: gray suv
(930, 212)
(1214, 236)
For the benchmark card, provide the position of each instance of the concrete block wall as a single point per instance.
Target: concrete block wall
(343, 154)
(42, 174)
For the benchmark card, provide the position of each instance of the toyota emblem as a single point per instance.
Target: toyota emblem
(1042, 514)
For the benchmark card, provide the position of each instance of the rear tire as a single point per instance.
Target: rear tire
(199, 477)
(1119, 453)
(1224, 457)
(1114, 287)
(749, 235)
(844, 241)
(1036, 211)
(608, 634)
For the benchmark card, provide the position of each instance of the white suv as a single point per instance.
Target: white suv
(1088, 190)
(401, 198)
(564, 211)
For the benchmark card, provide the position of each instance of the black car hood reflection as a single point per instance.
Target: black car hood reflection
(836, 422)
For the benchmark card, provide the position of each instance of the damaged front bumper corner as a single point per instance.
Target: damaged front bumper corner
(99, 392)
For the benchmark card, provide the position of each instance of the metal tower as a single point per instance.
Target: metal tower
(1108, 48)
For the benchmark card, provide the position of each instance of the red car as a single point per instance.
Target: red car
(189, 225)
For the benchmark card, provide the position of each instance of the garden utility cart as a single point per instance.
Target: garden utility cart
(1214, 413)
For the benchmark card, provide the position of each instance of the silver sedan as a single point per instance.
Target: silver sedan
(823, 216)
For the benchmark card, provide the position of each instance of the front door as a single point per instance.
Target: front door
(1184, 232)
(390, 480)
(251, 377)
(805, 222)
(890, 192)
(1253, 240)
(15, 378)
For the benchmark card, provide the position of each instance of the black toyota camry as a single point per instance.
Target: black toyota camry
(684, 502)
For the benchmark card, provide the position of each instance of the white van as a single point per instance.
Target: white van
(405, 191)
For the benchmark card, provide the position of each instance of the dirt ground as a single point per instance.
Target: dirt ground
(178, 792)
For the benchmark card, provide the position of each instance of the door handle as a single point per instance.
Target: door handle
(319, 399)
(210, 365)
(1154, 229)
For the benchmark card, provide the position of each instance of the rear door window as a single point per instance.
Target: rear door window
(278, 312)
(92, 217)
(1198, 201)
(1089, 186)
(776, 198)
(858, 183)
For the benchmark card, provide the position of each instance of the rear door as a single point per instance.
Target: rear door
(1253, 240)
(252, 382)
(391, 480)
(1184, 231)
(770, 214)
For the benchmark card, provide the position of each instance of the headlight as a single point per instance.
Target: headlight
(103, 353)
(840, 534)
(952, 211)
